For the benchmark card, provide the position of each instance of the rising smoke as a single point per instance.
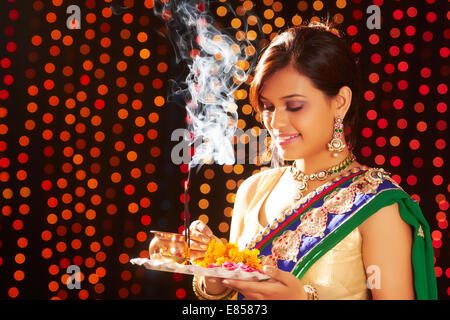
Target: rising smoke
(215, 62)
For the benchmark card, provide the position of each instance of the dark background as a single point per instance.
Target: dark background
(405, 104)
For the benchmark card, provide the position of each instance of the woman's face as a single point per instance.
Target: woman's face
(299, 117)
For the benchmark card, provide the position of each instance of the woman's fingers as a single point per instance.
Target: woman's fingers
(195, 245)
(250, 289)
(201, 227)
(253, 296)
(213, 280)
(196, 254)
(276, 274)
(200, 237)
(195, 225)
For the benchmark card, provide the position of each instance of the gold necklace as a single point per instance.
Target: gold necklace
(303, 178)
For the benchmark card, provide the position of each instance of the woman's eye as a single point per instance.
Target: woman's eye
(294, 105)
(290, 106)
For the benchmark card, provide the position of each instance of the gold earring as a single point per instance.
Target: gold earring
(336, 144)
(267, 154)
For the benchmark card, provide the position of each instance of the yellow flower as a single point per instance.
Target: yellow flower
(219, 252)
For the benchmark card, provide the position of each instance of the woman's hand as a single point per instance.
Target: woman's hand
(201, 235)
(281, 286)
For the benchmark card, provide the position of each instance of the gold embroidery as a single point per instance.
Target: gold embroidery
(339, 201)
(281, 217)
(420, 232)
(285, 247)
(369, 182)
(314, 221)
(268, 261)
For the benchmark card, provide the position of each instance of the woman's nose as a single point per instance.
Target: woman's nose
(279, 118)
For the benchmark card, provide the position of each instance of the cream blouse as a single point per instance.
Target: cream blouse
(338, 274)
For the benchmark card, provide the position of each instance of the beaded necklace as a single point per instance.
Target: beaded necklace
(303, 178)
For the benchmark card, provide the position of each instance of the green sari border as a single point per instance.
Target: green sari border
(422, 255)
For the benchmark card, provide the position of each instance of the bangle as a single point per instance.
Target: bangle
(202, 295)
(311, 292)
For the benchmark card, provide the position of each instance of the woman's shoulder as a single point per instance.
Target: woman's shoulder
(379, 187)
(377, 179)
(378, 184)
(258, 177)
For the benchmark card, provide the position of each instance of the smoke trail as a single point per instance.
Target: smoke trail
(117, 9)
(215, 62)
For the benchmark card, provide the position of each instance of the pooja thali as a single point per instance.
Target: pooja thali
(193, 269)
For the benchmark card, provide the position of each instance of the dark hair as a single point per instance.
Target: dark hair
(318, 52)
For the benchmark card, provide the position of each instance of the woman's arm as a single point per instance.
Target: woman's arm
(386, 251)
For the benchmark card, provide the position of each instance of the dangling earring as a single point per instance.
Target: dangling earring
(336, 144)
(267, 154)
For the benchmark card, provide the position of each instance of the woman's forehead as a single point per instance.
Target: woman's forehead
(284, 82)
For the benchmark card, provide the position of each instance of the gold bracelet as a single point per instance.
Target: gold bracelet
(311, 292)
(202, 295)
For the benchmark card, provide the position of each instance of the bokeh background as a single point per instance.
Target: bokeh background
(85, 127)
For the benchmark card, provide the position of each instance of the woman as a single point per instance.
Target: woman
(327, 227)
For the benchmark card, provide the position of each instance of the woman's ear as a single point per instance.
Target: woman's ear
(342, 101)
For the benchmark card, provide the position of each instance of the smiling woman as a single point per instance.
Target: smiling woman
(298, 116)
(313, 64)
(326, 226)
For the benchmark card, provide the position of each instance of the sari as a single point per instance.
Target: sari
(322, 228)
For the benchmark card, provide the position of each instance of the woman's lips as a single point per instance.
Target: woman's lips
(286, 139)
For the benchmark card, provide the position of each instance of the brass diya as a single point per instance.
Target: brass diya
(168, 247)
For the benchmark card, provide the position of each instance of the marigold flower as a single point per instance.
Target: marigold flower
(219, 253)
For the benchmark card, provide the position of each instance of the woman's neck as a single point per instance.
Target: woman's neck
(320, 161)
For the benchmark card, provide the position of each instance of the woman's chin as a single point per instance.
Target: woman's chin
(292, 151)
(289, 154)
